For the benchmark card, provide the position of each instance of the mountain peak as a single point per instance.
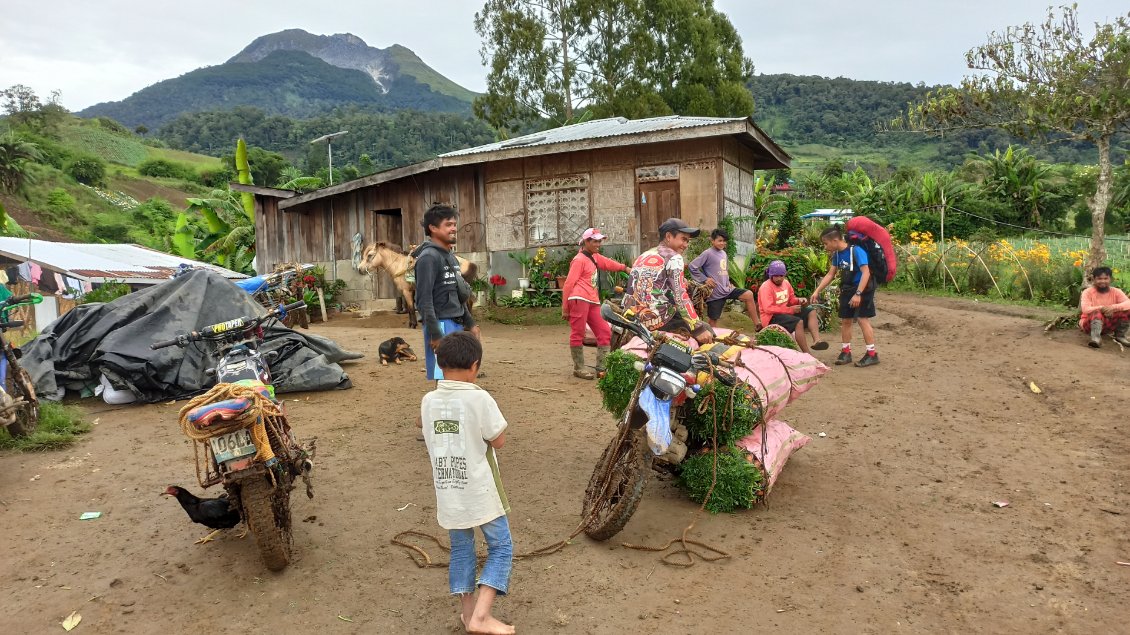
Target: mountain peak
(343, 50)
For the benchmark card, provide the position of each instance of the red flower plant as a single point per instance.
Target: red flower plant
(497, 280)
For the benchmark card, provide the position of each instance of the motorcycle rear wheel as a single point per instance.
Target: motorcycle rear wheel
(612, 504)
(19, 384)
(266, 510)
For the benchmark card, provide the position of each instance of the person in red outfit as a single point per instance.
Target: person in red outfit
(1104, 309)
(580, 302)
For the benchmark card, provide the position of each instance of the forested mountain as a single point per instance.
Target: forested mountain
(296, 74)
(389, 139)
(847, 113)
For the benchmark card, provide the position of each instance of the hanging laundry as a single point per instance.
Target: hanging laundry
(36, 272)
(24, 270)
(3, 277)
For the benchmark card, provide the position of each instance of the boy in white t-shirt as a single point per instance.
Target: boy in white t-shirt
(462, 428)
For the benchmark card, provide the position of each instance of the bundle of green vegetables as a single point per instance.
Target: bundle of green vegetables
(734, 410)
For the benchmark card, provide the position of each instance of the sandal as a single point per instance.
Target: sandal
(820, 346)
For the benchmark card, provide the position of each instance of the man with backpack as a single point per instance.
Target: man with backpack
(857, 292)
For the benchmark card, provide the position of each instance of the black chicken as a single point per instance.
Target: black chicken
(214, 513)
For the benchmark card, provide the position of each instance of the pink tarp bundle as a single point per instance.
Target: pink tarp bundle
(772, 444)
(777, 375)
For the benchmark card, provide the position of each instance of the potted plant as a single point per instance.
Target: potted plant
(523, 259)
(496, 281)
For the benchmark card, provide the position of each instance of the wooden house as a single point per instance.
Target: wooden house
(540, 190)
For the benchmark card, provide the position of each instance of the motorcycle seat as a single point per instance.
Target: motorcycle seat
(226, 410)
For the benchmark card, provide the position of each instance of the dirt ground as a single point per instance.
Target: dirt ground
(886, 525)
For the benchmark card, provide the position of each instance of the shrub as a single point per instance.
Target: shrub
(216, 177)
(790, 225)
(112, 126)
(163, 168)
(110, 229)
(60, 203)
(107, 292)
(87, 170)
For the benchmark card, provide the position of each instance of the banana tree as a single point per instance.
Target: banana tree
(228, 238)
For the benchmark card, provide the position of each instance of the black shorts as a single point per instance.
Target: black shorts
(788, 321)
(714, 307)
(866, 307)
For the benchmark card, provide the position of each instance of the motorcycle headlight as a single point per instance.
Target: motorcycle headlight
(668, 383)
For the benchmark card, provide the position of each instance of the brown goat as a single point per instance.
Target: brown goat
(391, 258)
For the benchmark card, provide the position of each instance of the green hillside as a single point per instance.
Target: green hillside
(120, 206)
(411, 64)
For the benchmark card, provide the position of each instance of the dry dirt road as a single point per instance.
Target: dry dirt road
(884, 526)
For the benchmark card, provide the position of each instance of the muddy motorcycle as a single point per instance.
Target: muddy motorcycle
(617, 483)
(19, 408)
(247, 443)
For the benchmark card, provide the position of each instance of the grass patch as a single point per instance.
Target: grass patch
(522, 316)
(59, 427)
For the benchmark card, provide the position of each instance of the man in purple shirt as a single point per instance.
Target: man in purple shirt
(712, 269)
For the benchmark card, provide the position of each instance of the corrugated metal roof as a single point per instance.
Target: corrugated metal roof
(601, 128)
(87, 260)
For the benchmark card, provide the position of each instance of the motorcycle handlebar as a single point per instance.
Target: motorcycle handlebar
(294, 306)
(167, 343)
(12, 324)
(19, 299)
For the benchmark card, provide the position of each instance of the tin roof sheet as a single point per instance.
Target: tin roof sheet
(89, 260)
(600, 128)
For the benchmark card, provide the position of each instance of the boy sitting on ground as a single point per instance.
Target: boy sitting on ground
(779, 305)
(1104, 309)
(462, 428)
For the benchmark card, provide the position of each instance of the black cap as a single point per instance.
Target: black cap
(677, 225)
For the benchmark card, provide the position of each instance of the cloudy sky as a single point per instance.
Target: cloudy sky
(104, 50)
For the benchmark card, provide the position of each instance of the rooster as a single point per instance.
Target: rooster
(214, 513)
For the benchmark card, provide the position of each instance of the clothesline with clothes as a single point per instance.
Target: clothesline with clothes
(47, 281)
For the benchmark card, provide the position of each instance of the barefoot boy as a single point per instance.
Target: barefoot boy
(462, 427)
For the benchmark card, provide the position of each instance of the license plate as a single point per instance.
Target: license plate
(233, 445)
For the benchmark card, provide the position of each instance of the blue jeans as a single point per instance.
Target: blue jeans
(500, 553)
(445, 327)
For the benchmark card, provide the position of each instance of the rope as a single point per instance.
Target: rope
(262, 410)
(706, 552)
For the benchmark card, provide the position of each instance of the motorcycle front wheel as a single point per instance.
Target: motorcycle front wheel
(18, 385)
(609, 503)
(266, 510)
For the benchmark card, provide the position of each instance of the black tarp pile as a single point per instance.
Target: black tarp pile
(113, 339)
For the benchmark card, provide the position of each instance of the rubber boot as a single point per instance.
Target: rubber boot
(1096, 334)
(579, 370)
(1120, 334)
(601, 353)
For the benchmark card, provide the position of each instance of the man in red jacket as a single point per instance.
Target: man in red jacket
(580, 302)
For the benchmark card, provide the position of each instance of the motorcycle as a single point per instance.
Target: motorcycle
(248, 444)
(273, 288)
(671, 373)
(19, 408)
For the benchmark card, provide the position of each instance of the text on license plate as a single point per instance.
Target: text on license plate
(232, 445)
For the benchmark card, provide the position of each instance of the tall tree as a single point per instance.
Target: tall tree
(1044, 82)
(562, 60)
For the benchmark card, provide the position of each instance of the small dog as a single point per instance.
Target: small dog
(394, 350)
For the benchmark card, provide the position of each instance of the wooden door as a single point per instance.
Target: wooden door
(388, 227)
(659, 200)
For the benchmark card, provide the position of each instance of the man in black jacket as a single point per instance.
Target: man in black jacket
(441, 291)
